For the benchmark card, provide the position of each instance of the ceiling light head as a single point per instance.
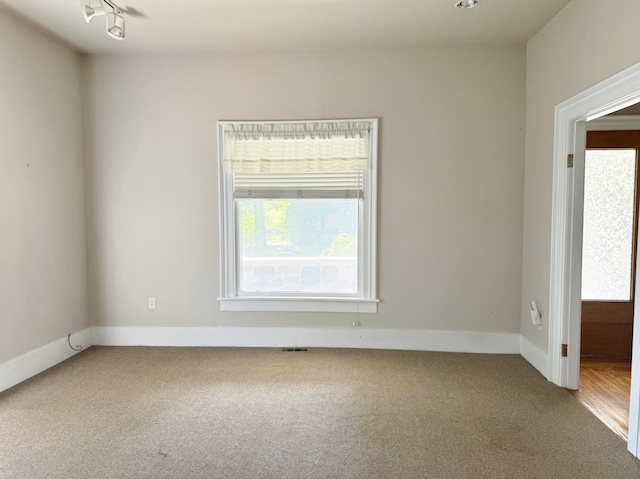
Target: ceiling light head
(115, 25)
(467, 4)
(92, 8)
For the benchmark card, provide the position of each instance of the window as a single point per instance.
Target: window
(298, 215)
(609, 212)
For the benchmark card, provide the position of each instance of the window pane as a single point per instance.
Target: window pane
(608, 224)
(298, 246)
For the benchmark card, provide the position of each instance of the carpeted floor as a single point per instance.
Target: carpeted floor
(326, 413)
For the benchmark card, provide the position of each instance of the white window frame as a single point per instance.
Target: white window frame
(365, 301)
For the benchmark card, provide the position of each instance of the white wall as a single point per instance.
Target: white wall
(451, 169)
(451, 174)
(588, 41)
(43, 250)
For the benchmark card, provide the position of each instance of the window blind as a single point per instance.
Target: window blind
(315, 147)
(341, 184)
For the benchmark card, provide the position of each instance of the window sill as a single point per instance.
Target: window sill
(305, 305)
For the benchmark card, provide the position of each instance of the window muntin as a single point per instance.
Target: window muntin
(299, 240)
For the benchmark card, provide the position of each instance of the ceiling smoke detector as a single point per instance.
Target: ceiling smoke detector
(467, 4)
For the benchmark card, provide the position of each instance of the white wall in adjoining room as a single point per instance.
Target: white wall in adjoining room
(587, 42)
(451, 179)
(43, 248)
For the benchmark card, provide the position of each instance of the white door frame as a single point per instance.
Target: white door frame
(619, 91)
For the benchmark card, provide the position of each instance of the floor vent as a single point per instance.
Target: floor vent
(294, 350)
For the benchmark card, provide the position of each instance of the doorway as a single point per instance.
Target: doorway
(609, 244)
(610, 95)
(610, 225)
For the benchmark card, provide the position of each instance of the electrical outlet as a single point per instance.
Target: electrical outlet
(152, 303)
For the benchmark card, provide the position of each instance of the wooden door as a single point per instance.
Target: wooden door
(607, 304)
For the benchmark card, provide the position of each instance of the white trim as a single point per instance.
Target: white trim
(534, 355)
(445, 341)
(614, 123)
(303, 305)
(226, 224)
(634, 399)
(30, 364)
(34, 362)
(615, 93)
(573, 332)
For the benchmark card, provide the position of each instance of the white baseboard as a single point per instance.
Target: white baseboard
(534, 355)
(28, 365)
(34, 362)
(461, 342)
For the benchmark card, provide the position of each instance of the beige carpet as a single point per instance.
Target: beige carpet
(325, 413)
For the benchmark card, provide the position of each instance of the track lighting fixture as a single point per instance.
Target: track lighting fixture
(115, 25)
(115, 19)
(92, 8)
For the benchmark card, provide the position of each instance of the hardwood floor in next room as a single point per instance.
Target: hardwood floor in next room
(605, 389)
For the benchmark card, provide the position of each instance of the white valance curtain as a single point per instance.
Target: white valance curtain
(314, 147)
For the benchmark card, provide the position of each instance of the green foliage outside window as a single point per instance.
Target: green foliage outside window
(296, 228)
(343, 245)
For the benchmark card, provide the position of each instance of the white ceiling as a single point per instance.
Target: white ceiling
(232, 25)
